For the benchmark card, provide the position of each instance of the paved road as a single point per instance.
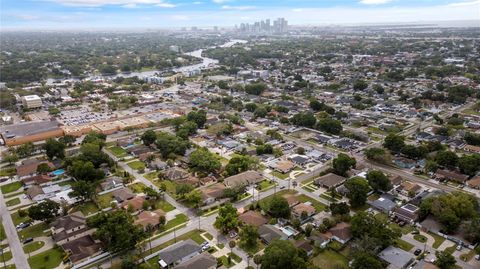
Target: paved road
(19, 257)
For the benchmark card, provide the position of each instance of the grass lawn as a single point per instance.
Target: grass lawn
(403, 245)
(47, 260)
(438, 240)
(208, 236)
(118, 151)
(87, 208)
(235, 257)
(264, 202)
(12, 202)
(104, 200)
(17, 219)
(151, 176)
(318, 206)
(179, 219)
(31, 247)
(451, 249)
(7, 172)
(225, 262)
(33, 231)
(328, 197)
(252, 250)
(137, 165)
(197, 238)
(420, 238)
(264, 185)
(280, 175)
(137, 187)
(2, 232)
(171, 187)
(11, 187)
(7, 255)
(329, 259)
(165, 206)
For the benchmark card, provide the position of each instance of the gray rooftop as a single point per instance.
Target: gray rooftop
(396, 257)
(28, 128)
(179, 251)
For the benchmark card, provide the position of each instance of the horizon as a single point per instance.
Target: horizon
(100, 15)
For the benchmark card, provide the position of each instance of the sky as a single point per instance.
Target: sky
(153, 14)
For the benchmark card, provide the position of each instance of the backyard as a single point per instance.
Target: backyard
(47, 260)
(136, 165)
(329, 259)
(118, 151)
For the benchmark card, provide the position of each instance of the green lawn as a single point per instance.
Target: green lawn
(420, 238)
(329, 259)
(31, 247)
(197, 238)
(438, 239)
(12, 202)
(87, 208)
(33, 231)
(47, 260)
(179, 219)
(7, 255)
(264, 202)
(451, 249)
(137, 165)
(11, 187)
(235, 257)
(2, 232)
(118, 151)
(280, 175)
(225, 262)
(318, 206)
(7, 172)
(137, 187)
(403, 245)
(151, 176)
(164, 205)
(104, 200)
(208, 236)
(17, 219)
(265, 185)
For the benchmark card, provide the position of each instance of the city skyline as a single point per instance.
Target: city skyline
(146, 14)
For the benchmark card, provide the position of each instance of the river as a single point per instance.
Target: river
(205, 64)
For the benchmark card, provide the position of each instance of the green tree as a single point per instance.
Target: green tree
(360, 85)
(149, 137)
(447, 159)
(227, 219)
(116, 230)
(305, 119)
(239, 164)
(363, 260)
(394, 142)
(445, 260)
(255, 88)
(44, 211)
(83, 190)
(199, 117)
(343, 163)
(81, 170)
(329, 125)
(248, 237)
(95, 138)
(54, 148)
(278, 207)
(10, 158)
(378, 181)
(469, 164)
(68, 140)
(339, 208)
(377, 229)
(378, 155)
(194, 197)
(43, 168)
(169, 144)
(25, 150)
(358, 189)
(203, 160)
(283, 254)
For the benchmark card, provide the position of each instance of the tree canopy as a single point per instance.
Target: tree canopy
(283, 254)
(227, 219)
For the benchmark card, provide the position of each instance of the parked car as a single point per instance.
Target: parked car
(233, 234)
(459, 247)
(23, 225)
(417, 252)
(205, 247)
(415, 232)
(28, 240)
(477, 257)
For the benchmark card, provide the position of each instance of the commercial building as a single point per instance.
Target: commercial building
(18, 134)
(32, 101)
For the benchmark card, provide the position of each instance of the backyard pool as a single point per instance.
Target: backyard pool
(58, 172)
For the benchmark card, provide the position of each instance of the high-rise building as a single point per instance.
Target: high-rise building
(280, 25)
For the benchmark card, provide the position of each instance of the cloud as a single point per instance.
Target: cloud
(227, 7)
(467, 3)
(220, 1)
(180, 17)
(374, 2)
(98, 3)
(166, 5)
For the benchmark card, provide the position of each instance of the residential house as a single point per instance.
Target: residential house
(111, 183)
(152, 218)
(329, 180)
(299, 159)
(175, 174)
(268, 233)
(212, 193)
(122, 195)
(383, 204)
(28, 168)
(178, 253)
(202, 261)
(283, 166)
(303, 211)
(407, 213)
(397, 258)
(341, 232)
(252, 218)
(135, 204)
(305, 245)
(320, 240)
(472, 149)
(157, 164)
(443, 174)
(69, 228)
(395, 181)
(246, 178)
(38, 180)
(35, 193)
(82, 248)
(474, 182)
(410, 189)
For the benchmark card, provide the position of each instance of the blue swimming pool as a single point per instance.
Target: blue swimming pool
(58, 172)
